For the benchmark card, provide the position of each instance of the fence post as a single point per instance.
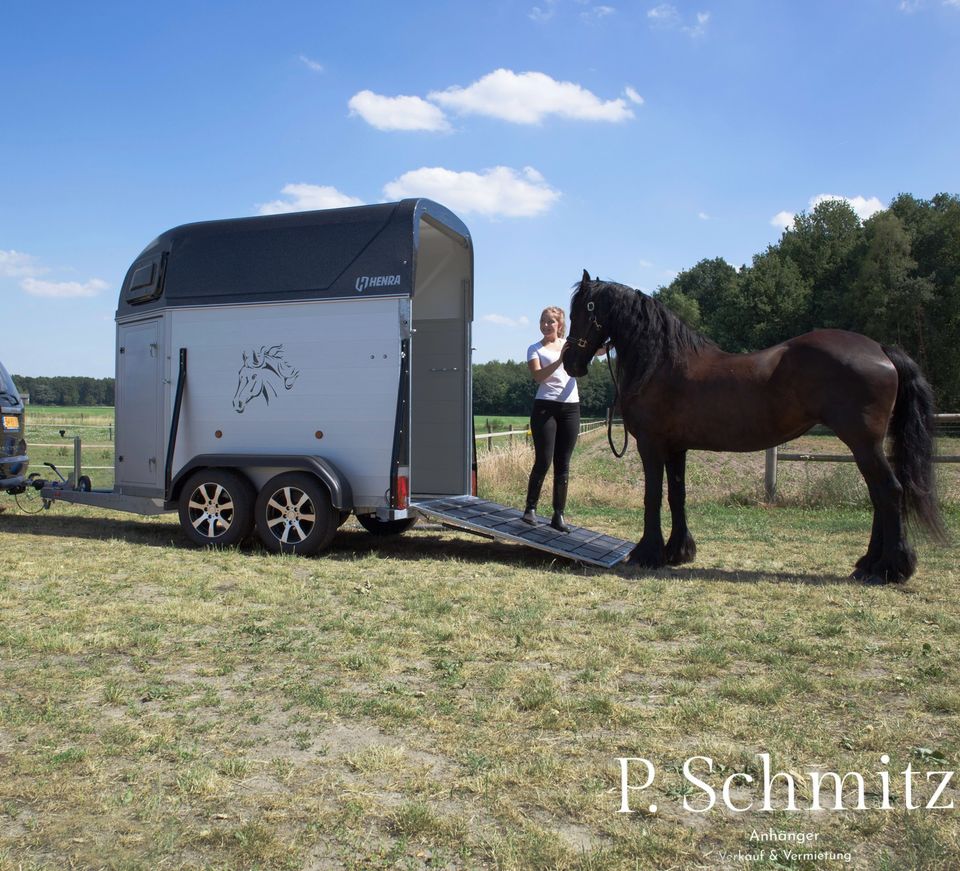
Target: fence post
(489, 441)
(511, 436)
(770, 475)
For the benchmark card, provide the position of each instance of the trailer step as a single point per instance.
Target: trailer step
(506, 524)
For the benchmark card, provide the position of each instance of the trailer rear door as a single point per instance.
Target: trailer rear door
(139, 460)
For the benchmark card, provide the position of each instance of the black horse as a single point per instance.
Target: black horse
(679, 391)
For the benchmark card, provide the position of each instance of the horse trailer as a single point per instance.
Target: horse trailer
(283, 372)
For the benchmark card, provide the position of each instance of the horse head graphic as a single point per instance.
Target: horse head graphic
(261, 374)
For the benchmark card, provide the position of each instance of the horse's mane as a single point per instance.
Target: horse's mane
(645, 332)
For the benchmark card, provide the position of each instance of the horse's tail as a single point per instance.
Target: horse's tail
(911, 431)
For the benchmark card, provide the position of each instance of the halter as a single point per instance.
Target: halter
(593, 323)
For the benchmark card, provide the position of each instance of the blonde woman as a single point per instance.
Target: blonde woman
(555, 421)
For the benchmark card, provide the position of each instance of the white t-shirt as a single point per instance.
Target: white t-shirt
(558, 387)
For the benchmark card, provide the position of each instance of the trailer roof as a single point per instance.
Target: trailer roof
(328, 254)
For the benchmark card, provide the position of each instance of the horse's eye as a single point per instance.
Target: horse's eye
(590, 306)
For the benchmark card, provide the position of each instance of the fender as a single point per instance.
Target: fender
(341, 494)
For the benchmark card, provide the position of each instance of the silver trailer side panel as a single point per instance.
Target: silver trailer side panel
(317, 378)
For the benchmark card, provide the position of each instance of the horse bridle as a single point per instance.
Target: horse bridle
(593, 323)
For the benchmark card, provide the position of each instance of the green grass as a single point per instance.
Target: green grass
(442, 701)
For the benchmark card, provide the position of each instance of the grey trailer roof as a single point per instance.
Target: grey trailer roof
(328, 254)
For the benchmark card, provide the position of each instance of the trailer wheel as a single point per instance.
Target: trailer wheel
(216, 507)
(374, 524)
(294, 514)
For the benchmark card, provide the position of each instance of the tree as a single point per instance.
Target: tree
(699, 295)
(825, 245)
(934, 229)
(888, 299)
(771, 304)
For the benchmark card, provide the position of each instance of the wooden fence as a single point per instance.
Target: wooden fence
(775, 456)
(523, 432)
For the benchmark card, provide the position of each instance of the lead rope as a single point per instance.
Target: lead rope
(610, 410)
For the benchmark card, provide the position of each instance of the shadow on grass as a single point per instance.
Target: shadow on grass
(425, 542)
(736, 576)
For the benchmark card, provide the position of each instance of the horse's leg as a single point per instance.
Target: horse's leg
(864, 566)
(680, 547)
(650, 552)
(889, 558)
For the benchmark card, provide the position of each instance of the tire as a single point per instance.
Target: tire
(216, 508)
(375, 525)
(294, 514)
(84, 485)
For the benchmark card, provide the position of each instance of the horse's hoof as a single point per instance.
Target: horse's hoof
(859, 574)
(677, 555)
(646, 560)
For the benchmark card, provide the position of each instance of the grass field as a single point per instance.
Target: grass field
(442, 701)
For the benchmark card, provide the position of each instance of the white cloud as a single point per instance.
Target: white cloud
(595, 13)
(703, 216)
(910, 6)
(304, 197)
(646, 264)
(664, 14)
(700, 28)
(500, 191)
(864, 208)
(63, 289)
(16, 264)
(954, 3)
(311, 64)
(667, 16)
(504, 321)
(633, 95)
(527, 98)
(397, 113)
(544, 13)
(782, 220)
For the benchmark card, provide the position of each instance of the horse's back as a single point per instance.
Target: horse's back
(844, 377)
(839, 353)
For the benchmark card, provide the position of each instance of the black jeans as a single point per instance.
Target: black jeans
(555, 427)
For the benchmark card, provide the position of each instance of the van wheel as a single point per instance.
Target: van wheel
(374, 524)
(216, 507)
(294, 514)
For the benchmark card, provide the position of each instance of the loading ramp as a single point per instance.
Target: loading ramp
(506, 524)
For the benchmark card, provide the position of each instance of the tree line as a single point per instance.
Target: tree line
(508, 388)
(894, 277)
(66, 390)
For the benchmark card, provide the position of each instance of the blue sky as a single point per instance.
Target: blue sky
(631, 139)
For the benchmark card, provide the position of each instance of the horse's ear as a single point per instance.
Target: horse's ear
(586, 277)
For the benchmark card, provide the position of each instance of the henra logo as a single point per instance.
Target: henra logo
(367, 281)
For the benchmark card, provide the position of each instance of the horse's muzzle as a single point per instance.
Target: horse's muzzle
(574, 368)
